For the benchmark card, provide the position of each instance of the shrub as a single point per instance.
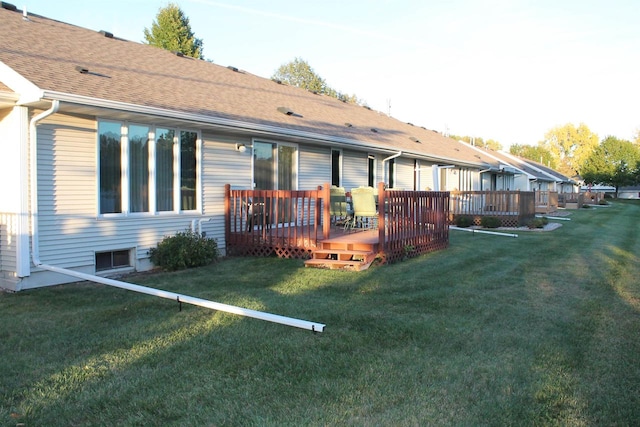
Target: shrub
(538, 222)
(463, 221)
(490, 222)
(186, 249)
(603, 202)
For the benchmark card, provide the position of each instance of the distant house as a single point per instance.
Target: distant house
(631, 192)
(109, 145)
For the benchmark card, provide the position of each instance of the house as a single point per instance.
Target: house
(109, 145)
(630, 192)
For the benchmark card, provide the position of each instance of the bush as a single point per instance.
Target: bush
(603, 202)
(186, 249)
(538, 222)
(490, 222)
(463, 221)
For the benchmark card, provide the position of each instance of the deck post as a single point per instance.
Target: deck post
(227, 213)
(324, 192)
(382, 196)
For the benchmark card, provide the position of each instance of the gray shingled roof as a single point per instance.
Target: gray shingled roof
(48, 54)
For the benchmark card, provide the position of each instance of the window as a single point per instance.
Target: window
(110, 167)
(336, 157)
(143, 169)
(164, 169)
(392, 173)
(372, 171)
(112, 260)
(138, 168)
(188, 173)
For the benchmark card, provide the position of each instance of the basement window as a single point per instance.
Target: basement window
(112, 260)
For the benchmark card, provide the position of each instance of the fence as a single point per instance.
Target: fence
(546, 201)
(513, 208)
(571, 200)
(281, 222)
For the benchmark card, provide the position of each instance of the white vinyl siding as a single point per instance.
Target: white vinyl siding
(424, 176)
(314, 167)
(71, 231)
(222, 164)
(404, 173)
(354, 169)
(10, 200)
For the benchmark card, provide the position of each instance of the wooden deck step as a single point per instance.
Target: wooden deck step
(341, 254)
(334, 264)
(348, 259)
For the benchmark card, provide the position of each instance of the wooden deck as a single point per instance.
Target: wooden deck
(298, 224)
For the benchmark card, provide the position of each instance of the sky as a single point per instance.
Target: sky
(507, 70)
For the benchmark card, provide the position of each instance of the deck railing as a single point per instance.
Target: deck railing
(290, 224)
(412, 222)
(513, 208)
(546, 201)
(571, 200)
(281, 222)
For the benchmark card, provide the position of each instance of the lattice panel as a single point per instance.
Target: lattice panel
(505, 220)
(268, 250)
(399, 254)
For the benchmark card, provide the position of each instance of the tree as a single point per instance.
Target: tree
(536, 153)
(614, 162)
(570, 146)
(171, 31)
(300, 74)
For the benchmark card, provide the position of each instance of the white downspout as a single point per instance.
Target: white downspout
(33, 160)
(35, 256)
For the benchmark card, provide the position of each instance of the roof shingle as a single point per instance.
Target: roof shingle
(47, 53)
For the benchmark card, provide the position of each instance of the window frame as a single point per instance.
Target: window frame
(125, 171)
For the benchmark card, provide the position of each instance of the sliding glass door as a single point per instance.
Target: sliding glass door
(275, 167)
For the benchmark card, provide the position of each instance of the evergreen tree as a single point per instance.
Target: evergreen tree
(171, 31)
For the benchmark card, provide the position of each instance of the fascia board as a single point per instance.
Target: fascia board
(27, 91)
(230, 124)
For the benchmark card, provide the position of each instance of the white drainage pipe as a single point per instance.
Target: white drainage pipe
(180, 298)
(473, 230)
(35, 255)
(558, 218)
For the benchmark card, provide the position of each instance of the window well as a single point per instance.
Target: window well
(112, 260)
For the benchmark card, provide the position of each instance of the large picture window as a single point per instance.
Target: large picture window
(143, 169)
(164, 169)
(138, 168)
(110, 162)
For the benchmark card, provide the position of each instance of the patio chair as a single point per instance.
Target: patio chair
(338, 206)
(365, 213)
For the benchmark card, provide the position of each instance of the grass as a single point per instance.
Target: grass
(539, 330)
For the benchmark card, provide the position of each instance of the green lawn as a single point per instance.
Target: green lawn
(539, 330)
